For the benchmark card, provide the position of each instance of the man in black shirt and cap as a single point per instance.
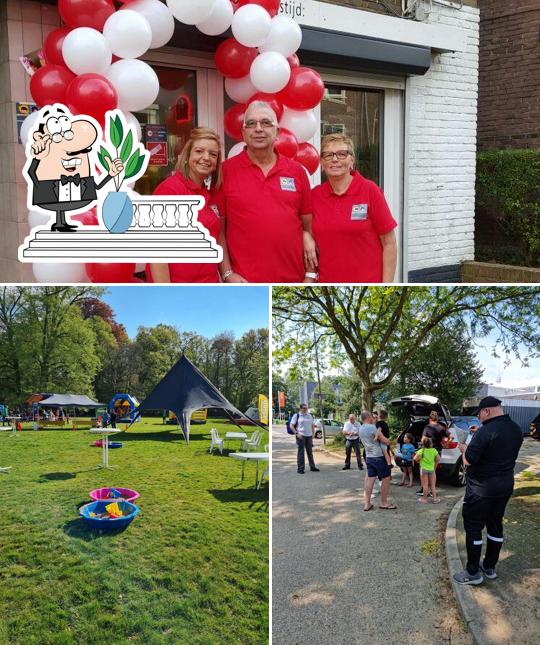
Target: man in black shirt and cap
(490, 458)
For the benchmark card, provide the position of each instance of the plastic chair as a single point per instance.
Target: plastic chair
(216, 442)
(264, 474)
(253, 441)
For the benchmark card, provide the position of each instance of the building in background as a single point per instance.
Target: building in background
(401, 78)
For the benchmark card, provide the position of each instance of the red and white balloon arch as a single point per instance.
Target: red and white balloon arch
(93, 65)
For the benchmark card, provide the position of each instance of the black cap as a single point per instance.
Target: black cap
(487, 402)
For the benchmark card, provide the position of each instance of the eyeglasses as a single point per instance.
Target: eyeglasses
(340, 154)
(264, 123)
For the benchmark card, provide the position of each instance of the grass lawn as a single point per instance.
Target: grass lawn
(191, 568)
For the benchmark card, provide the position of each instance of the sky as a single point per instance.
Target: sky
(513, 375)
(205, 310)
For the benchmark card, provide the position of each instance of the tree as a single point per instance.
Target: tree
(156, 350)
(45, 344)
(446, 365)
(250, 368)
(380, 329)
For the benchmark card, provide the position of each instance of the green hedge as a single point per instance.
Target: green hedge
(508, 195)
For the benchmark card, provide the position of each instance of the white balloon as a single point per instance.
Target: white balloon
(132, 120)
(135, 82)
(285, 36)
(128, 33)
(303, 124)
(236, 149)
(219, 20)
(27, 125)
(251, 25)
(240, 89)
(270, 72)
(191, 12)
(63, 272)
(37, 218)
(159, 17)
(86, 50)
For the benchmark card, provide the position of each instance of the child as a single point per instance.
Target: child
(428, 457)
(407, 453)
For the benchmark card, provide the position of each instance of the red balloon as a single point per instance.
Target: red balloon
(234, 60)
(52, 46)
(49, 84)
(271, 99)
(286, 144)
(272, 6)
(308, 157)
(89, 218)
(293, 61)
(234, 119)
(91, 94)
(85, 13)
(100, 272)
(304, 90)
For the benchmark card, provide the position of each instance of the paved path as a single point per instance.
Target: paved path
(343, 576)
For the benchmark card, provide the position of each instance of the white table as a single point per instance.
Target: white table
(250, 456)
(104, 432)
(236, 436)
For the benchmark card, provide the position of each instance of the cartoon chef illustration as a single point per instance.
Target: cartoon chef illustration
(60, 167)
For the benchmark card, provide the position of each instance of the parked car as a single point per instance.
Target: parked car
(331, 428)
(418, 408)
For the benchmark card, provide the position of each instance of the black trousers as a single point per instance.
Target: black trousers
(480, 512)
(304, 443)
(350, 445)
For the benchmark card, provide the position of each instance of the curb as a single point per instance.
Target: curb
(468, 606)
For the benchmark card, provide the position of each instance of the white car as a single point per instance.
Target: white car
(418, 407)
(331, 428)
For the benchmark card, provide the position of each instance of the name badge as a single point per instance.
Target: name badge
(359, 211)
(216, 210)
(287, 183)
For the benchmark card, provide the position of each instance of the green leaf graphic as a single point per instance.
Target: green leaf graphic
(114, 133)
(126, 147)
(102, 155)
(120, 129)
(132, 164)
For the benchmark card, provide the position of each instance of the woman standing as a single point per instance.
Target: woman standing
(352, 224)
(198, 172)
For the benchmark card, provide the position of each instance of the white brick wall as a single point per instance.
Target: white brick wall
(440, 152)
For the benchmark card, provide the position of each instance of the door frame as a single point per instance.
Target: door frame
(392, 134)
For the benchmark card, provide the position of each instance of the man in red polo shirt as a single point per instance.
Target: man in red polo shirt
(267, 207)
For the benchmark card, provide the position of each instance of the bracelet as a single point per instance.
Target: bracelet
(226, 275)
(314, 276)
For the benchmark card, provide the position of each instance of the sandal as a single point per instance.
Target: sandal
(368, 508)
(390, 507)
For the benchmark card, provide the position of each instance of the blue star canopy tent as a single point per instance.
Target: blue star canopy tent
(183, 390)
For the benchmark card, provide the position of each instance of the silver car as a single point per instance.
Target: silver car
(418, 407)
(331, 428)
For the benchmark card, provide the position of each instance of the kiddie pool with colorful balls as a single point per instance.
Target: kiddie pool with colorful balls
(111, 510)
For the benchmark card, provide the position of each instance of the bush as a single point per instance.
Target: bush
(339, 439)
(508, 197)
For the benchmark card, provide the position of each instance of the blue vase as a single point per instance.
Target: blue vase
(117, 212)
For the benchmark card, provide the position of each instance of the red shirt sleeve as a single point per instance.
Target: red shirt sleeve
(306, 206)
(382, 219)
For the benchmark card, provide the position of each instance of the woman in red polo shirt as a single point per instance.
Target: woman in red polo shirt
(352, 224)
(198, 172)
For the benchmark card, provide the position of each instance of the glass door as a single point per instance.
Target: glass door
(356, 112)
(369, 109)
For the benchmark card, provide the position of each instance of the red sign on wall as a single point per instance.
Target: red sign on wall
(158, 153)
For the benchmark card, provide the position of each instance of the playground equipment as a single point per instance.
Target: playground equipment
(198, 417)
(125, 407)
(117, 494)
(109, 515)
